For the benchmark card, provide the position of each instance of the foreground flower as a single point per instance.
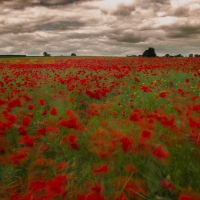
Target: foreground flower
(72, 139)
(27, 140)
(121, 197)
(72, 121)
(53, 111)
(26, 121)
(167, 184)
(146, 135)
(127, 144)
(17, 158)
(160, 152)
(102, 169)
(185, 197)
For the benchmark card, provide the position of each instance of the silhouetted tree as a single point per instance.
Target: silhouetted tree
(149, 53)
(179, 55)
(73, 54)
(46, 54)
(167, 55)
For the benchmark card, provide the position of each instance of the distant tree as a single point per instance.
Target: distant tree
(73, 54)
(46, 54)
(191, 55)
(149, 53)
(167, 55)
(196, 55)
(179, 55)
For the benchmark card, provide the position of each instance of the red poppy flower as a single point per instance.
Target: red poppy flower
(147, 134)
(160, 152)
(26, 121)
(121, 197)
(16, 158)
(27, 140)
(41, 102)
(44, 112)
(127, 144)
(31, 107)
(53, 111)
(103, 169)
(42, 131)
(185, 197)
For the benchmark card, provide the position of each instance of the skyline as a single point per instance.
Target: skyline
(99, 27)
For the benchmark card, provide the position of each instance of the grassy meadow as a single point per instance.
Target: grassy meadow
(93, 128)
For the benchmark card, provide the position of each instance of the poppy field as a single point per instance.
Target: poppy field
(100, 128)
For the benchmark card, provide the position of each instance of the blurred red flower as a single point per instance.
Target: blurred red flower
(121, 197)
(147, 134)
(185, 197)
(31, 107)
(26, 121)
(53, 111)
(16, 158)
(127, 144)
(41, 102)
(101, 169)
(160, 152)
(27, 140)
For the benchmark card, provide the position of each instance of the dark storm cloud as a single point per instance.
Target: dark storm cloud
(60, 25)
(152, 4)
(20, 4)
(122, 10)
(58, 3)
(182, 31)
(126, 36)
(181, 12)
(164, 2)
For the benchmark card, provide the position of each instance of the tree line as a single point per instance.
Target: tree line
(47, 54)
(150, 52)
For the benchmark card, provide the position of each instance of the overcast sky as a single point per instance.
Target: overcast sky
(99, 27)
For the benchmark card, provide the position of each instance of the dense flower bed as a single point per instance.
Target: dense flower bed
(100, 128)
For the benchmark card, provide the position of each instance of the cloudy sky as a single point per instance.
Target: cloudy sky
(99, 27)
